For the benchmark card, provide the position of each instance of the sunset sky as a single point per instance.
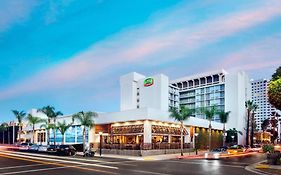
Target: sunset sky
(70, 54)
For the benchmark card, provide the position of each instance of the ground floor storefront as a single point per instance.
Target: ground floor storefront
(151, 137)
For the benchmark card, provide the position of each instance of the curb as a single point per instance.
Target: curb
(254, 168)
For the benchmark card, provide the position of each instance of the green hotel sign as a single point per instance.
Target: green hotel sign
(148, 82)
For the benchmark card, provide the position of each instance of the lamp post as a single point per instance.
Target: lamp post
(232, 137)
(195, 135)
(224, 138)
(100, 133)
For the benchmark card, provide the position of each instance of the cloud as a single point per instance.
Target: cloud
(150, 43)
(262, 54)
(56, 8)
(14, 11)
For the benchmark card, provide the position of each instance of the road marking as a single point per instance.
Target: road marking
(42, 169)
(63, 161)
(208, 163)
(148, 172)
(57, 164)
(99, 162)
(57, 157)
(20, 166)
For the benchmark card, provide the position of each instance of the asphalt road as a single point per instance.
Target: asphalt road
(40, 164)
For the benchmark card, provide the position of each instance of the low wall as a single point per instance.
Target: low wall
(143, 152)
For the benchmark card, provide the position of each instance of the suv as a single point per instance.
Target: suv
(67, 150)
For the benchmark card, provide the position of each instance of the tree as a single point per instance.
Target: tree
(50, 112)
(232, 134)
(210, 112)
(20, 115)
(223, 119)
(86, 121)
(274, 93)
(250, 105)
(181, 115)
(253, 126)
(63, 127)
(33, 120)
(277, 74)
(3, 128)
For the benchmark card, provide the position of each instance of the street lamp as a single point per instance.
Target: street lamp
(232, 139)
(195, 135)
(100, 133)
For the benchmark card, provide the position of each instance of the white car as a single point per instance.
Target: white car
(25, 146)
(42, 148)
(216, 153)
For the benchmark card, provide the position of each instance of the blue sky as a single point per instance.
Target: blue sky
(70, 54)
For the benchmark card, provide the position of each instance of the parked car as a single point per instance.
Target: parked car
(33, 148)
(216, 153)
(25, 146)
(236, 149)
(42, 148)
(67, 150)
(52, 149)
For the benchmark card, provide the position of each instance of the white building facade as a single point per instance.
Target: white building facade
(144, 122)
(259, 97)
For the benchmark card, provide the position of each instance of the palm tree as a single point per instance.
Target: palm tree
(253, 124)
(181, 115)
(63, 127)
(3, 128)
(20, 115)
(55, 116)
(86, 120)
(210, 112)
(232, 133)
(223, 119)
(250, 105)
(33, 120)
(50, 112)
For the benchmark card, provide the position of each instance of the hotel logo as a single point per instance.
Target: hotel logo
(148, 82)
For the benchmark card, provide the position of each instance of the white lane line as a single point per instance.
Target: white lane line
(63, 161)
(209, 164)
(42, 169)
(20, 166)
(99, 162)
(48, 156)
(148, 172)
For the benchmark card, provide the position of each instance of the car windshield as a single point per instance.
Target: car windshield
(64, 146)
(216, 150)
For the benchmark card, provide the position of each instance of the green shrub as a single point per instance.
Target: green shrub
(268, 148)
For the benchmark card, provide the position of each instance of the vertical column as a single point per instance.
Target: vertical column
(147, 133)
(91, 135)
(194, 137)
(187, 135)
(75, 134)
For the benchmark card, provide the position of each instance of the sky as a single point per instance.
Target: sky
(70, 54)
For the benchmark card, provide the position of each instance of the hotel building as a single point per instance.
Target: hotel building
(259, 97)
(143, 122)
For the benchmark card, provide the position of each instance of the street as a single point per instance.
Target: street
(41, 164)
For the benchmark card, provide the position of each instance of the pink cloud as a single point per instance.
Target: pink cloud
(143, 44)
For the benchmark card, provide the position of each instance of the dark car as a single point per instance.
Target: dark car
(52, 149)
(67, 150)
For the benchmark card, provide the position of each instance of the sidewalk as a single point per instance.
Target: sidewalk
(152, 157)
(261, 168)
